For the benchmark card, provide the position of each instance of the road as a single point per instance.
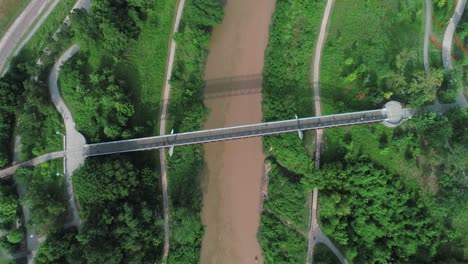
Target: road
(427, 33)
(19, 28)
(448, 36)
(162, 128)
(74, 141)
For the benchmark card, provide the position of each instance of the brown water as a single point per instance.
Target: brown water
(233, 170)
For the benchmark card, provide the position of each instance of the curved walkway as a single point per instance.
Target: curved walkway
(74, 141)
(448, 36)
(162, 129)
(315, 234)
(447, 45)
(427, 33)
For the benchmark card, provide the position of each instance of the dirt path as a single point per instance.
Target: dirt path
(231, 180)
(315, 234)
(162, 130)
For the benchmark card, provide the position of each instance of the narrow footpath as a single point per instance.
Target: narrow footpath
(427, 33)
(162, 129)
(315, 234)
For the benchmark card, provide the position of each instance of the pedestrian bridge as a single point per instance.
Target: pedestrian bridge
(391, 115)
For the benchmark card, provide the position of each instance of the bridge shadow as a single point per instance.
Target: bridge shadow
(233, 86)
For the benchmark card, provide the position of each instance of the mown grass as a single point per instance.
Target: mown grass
(145, 64)
(9, 11)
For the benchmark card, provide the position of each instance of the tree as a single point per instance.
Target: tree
(451, 86)
(8, 206)
(422, 86)
(15, 236)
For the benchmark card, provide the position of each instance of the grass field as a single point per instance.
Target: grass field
(144, 67)
(9, 10)
(361, 49)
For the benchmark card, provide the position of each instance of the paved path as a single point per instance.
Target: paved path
(31, 163)
(447, 45)
(315, 235)
(448, 36)
(162, 129)
(74, 141)
(427, 33)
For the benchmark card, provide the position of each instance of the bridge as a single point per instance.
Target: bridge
(391, 115)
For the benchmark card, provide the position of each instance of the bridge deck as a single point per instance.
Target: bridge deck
(228, 133)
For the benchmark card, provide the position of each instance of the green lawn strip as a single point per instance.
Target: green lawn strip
(10, 10)
(145, 64)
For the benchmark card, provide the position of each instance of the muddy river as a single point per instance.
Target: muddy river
(231, 179)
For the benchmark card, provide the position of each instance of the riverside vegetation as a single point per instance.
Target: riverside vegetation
(118, 195)
(385, 194)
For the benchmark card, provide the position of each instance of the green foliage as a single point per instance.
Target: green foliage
(373, 212)
(384, 55)
(108, 29)
(284, 218)
(38, 121)
(8, 205)
(118, 208)
(279, 243)
(60, 247)
(144, 63)
(287, 88)
(187, 113)
(45, 195)
(15, 236)
(101, 104)
(451, 86)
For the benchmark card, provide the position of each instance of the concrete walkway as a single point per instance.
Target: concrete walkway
(162, 129)
(448, 36)
(447, 45)
(73, 140)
